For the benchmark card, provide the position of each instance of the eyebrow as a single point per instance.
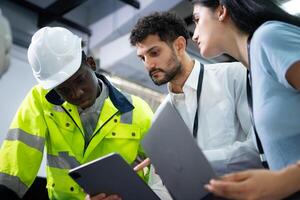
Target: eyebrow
(150, 49)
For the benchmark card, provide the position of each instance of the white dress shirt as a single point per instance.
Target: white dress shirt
(224, 126)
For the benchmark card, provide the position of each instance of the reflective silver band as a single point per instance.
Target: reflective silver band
(28, 139)
(14, 183)
(126, 118)
(62, 161)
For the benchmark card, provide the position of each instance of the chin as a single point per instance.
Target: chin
(159, 82)
(87, 104)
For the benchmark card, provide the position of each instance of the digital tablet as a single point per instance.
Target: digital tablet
(111, 174)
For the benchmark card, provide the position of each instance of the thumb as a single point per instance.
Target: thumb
(142, 165)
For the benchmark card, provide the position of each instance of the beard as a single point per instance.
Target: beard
(168, 74)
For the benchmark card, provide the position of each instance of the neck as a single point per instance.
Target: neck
(238, 47)
(176, 84)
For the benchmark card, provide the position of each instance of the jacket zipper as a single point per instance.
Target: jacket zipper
(87, 143)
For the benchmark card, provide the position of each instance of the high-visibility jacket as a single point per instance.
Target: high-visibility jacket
(122, 124)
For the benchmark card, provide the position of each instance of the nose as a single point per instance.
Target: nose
(77, 92)
(195, 35)
(149, 63)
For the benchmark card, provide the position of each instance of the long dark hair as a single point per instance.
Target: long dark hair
(248, 15)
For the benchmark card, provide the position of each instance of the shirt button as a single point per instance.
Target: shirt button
(115, 120)
(113, 133)
(53, 184)
(67, 124)
(133, 134)
(70, 110)
(72, 189)
(51, 114)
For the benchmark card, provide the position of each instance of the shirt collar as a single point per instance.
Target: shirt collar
(191, 81)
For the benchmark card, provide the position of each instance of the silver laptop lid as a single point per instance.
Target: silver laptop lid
(176, 157)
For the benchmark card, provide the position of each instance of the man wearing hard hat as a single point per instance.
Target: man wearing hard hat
(73, 112)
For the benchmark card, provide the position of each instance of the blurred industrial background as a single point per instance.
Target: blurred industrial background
(104, 25)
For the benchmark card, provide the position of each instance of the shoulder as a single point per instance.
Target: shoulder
(225, 66)
(267, 29)
(163, 103)
(35, 101)
(270, 26)
(139, 102)
(141, 108)
(37, 92)
(161, 106)
(224, 70)
(273, 32)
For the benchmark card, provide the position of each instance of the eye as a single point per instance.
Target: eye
(154, 53)
(63, 91)
(195, 19)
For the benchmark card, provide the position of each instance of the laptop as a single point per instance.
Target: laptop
(176, 156)
(111, 174)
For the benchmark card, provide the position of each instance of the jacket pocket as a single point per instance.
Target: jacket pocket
(64, 188)
(62, 120)
(125, 140)
(124, 131)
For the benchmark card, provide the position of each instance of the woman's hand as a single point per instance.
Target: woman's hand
(257, 184)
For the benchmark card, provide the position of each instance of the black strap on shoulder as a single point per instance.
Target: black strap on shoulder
(250, 105)
(199, 88)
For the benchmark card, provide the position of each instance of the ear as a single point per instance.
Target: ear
(222, 13)
(91, 62)
(180, 45)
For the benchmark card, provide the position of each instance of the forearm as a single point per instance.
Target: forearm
(291, 177)
(238, 156)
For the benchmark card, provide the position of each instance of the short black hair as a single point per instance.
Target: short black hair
(168, 26)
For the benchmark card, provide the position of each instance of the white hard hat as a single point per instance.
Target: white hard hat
(54, 55)
(5, 44)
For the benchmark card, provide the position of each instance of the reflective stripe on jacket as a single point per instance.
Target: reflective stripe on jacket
(39, 123)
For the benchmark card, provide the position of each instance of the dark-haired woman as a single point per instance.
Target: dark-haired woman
(266, 40)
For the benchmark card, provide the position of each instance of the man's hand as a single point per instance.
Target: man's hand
(103, 196)
(142, 165)
(257, 184)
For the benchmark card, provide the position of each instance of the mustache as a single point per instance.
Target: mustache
(152, 71)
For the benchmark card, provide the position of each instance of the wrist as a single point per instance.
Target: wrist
(291, 177)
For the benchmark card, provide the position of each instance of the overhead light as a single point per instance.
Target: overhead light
(292, 7)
